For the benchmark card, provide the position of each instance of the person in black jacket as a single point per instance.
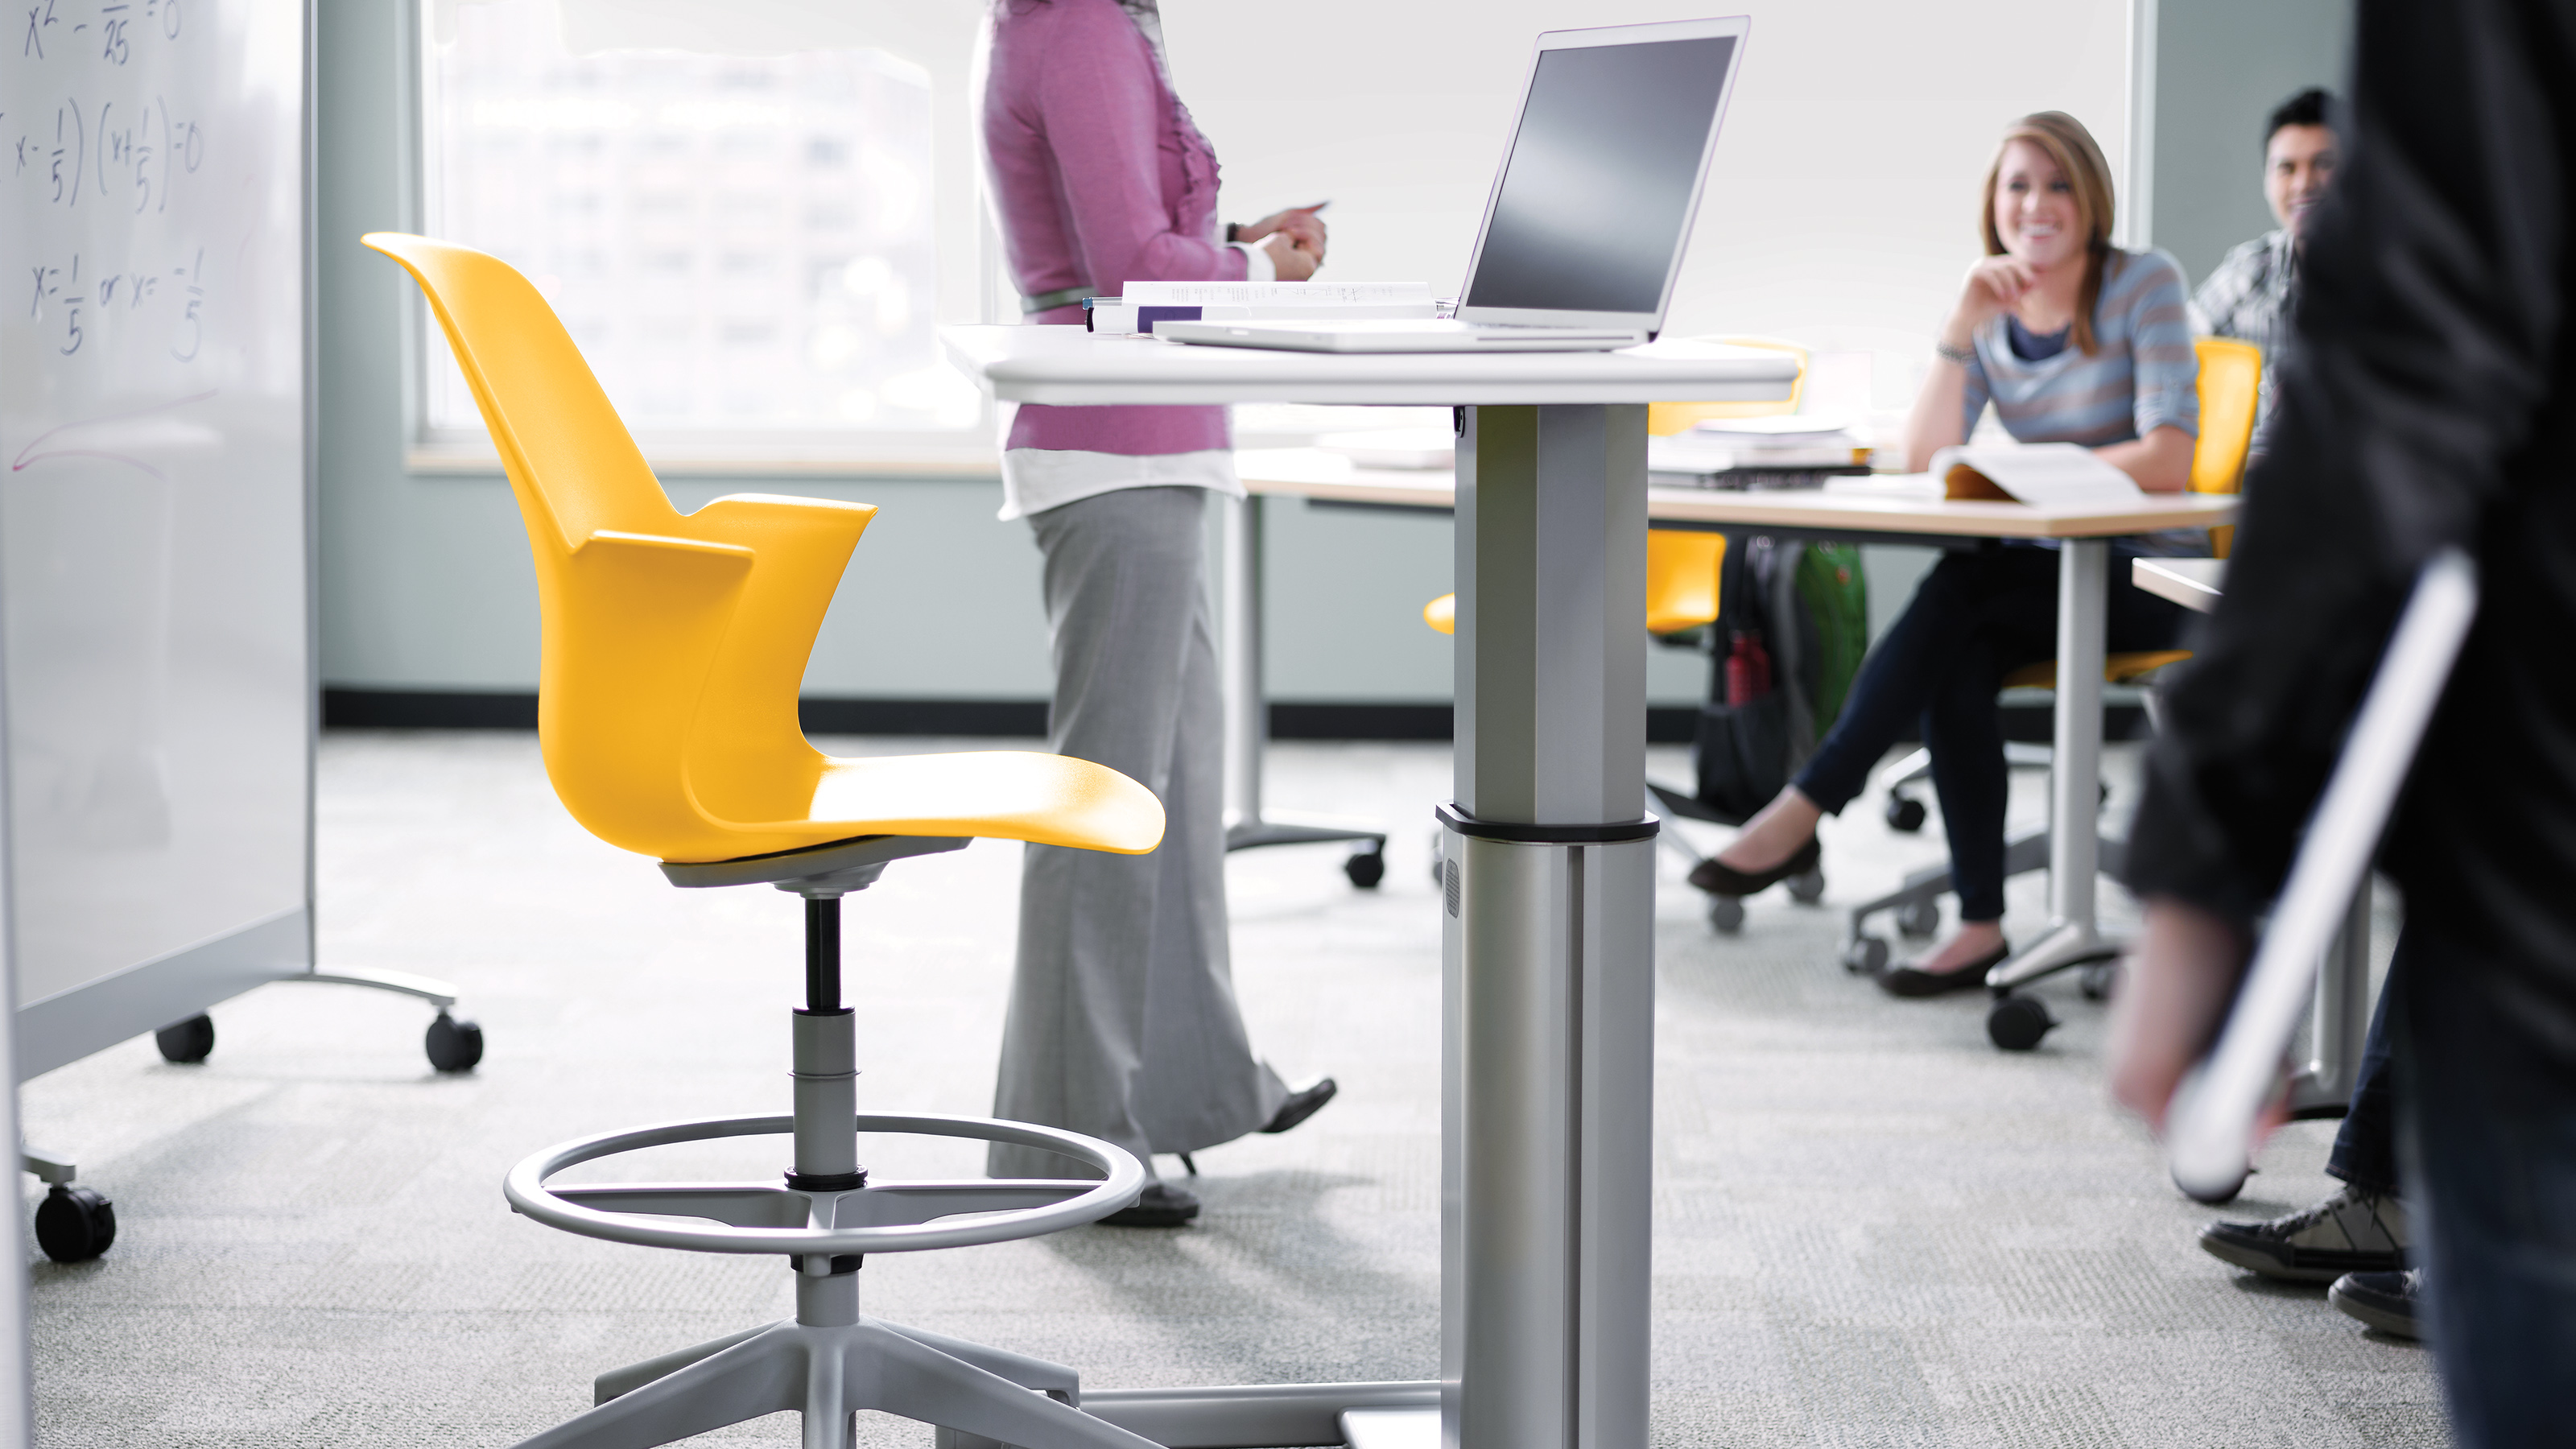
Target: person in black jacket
(2428, 403)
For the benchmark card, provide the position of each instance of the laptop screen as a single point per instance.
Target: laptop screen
(1596, 194)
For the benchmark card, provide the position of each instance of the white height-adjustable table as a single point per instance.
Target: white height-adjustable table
(1547, 935)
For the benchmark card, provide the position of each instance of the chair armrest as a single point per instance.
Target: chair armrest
(771, 520)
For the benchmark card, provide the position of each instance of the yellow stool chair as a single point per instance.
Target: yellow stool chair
(673, 648)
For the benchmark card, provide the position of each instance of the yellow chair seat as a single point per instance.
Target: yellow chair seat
(988, 794)
(674, 645)
(2116, 668)
(1442, 613)
(1681, 583)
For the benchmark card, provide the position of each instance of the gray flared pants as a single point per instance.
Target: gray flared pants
(1123, 1024)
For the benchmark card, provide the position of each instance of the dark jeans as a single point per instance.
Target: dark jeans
(1976, 617)
(2365, 1146)
(2486, 1082)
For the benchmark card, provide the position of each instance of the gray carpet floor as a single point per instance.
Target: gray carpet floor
(1872, 1229)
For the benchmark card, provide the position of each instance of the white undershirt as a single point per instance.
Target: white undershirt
(1037, 479)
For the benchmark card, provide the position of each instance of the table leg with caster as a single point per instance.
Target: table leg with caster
(2073, 937)
(1247, 722)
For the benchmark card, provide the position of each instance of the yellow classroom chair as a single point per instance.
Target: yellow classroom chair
(673, 648)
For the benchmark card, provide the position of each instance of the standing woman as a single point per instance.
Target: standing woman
(1123, 1023)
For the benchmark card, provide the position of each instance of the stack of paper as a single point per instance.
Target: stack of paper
(1145, 303)
(1795, 450)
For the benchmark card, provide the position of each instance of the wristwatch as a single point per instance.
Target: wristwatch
(1231, 228)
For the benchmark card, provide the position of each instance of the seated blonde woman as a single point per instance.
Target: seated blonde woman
(2072, 340)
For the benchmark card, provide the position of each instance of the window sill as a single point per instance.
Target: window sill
(960, 461)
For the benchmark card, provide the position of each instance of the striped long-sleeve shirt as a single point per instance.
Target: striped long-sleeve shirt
(2142, 375)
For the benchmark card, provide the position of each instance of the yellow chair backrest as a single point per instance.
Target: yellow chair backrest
(1664, 419)
(2231, 383)
(673, 646)
(1681, 584)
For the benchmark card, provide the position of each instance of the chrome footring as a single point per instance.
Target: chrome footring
(884, 1217)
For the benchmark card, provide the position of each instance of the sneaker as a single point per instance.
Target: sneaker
(2385, 1301)
(2351, 1232)
(1160, 1205)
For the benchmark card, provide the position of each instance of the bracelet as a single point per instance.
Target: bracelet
(1231, 228)
(1964, 356)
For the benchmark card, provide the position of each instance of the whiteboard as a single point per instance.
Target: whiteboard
(154, 574)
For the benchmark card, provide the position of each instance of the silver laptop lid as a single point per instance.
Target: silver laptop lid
(1592, 206)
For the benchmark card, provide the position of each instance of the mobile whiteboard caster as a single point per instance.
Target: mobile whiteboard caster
(74, 1224)
(1865, 955)
(2016, 1023)
(1807, 889)
(453, 1046)
(1918, 919)
(1725, 914)
(1905, 814)
(1366, 867)
(2099, 980)
(187, 1041)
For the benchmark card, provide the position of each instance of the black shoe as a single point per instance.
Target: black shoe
(2351, 1232)
(1907, 981)
(1302, 1103)
(2385, 1301)
(1161, 1205)
(1726, 880)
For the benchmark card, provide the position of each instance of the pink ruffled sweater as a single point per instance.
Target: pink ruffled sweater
(1101, 179)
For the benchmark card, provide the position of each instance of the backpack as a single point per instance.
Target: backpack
(1793, 623)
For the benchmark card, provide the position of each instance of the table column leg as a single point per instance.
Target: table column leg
(1247, 711)
(2075, 784)
(1548, 940)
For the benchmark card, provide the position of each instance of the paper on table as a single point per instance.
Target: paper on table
(2046, 475)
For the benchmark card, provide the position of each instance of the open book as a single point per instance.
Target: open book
(2045, 475)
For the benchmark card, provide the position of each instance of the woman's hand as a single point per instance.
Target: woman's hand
(1303, 228)
(2172, 999)
(1993, 286)
(1290, 261)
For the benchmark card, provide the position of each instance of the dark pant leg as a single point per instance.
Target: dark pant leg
(1964, 731)
(2487, 1102)
(1903, 671)
(2365, 1146)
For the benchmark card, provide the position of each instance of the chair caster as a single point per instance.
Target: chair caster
(1918, 919)
(2016, 1023)
(1367, 867)
(2099, 980)
(75, 1224)
(186, 1042)
(1865, 955)
(1439, 867)
(1725, 914)
(453, 1046)
(1905, 814)
(1807, 889)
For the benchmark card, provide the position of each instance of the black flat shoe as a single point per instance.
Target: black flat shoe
(1725, 880)
(1161, 1205)
(1907, 981)
(1303, 1103)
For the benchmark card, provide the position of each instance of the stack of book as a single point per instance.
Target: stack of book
(1135, 311)
(1800, 450)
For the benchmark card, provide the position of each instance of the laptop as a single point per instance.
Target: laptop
(1589, 215)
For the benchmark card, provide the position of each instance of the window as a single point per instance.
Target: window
(746, 247)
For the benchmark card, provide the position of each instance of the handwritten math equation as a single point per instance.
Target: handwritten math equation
(63, 29)
(78, 306)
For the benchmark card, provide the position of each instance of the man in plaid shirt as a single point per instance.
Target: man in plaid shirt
(2250, 294)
